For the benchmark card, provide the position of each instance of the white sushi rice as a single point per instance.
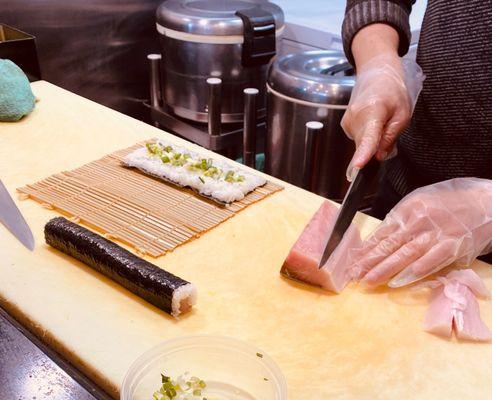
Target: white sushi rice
(216, 187)
(183, 297)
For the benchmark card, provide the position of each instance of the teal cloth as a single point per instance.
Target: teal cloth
(16, 97)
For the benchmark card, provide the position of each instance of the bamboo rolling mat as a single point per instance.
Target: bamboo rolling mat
(148, 214)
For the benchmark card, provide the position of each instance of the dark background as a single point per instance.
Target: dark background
(95, 48)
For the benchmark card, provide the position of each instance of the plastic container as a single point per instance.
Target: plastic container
(232, 369)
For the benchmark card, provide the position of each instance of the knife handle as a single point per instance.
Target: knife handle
(370, 171)
(365, 178)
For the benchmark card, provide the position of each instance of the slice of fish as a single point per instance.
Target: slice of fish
(453, 305)
(439, 317)
(469, 278)
(468, 323)
(302, 262)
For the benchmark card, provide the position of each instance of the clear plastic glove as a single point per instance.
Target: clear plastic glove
(431, 228)
(380, 107)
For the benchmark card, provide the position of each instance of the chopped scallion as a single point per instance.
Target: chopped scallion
(171, 390)
(229, 177)
(154, 149)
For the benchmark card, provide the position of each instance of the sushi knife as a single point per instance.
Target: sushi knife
(363, 180)
(12, 218)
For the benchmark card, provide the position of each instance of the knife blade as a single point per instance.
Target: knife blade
(12, 218)
(363, 180)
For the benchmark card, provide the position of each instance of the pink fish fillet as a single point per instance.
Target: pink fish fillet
(302, 262)
(453, 304)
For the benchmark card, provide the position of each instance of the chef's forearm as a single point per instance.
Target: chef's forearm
(361, 13)
(372, 41)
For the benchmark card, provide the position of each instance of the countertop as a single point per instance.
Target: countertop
(355, 345)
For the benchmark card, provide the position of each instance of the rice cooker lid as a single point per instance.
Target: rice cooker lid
(323, 77)
(212, 17)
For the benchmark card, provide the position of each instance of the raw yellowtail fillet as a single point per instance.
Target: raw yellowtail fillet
(302, 262)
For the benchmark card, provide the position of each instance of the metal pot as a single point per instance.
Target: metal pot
(232, 40)
(303, 87)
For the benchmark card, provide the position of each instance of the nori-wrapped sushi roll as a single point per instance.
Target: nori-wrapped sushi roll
(160, 288)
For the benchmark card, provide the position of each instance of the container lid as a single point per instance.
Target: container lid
(211, 17)
(322, 76)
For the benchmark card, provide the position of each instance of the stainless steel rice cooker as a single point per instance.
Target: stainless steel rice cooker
(229, 39)
(303, 87)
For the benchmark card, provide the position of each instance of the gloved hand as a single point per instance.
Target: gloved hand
(16, 97)
(431, 228)
(381, 106)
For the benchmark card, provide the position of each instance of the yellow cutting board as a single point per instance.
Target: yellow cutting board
(350, 346)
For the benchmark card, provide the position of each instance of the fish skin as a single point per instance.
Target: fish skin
(302, 263)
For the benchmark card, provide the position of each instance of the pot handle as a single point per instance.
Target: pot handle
(259, 36)
(345, 67)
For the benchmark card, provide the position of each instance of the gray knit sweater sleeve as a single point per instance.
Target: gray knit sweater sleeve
(360, 13)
